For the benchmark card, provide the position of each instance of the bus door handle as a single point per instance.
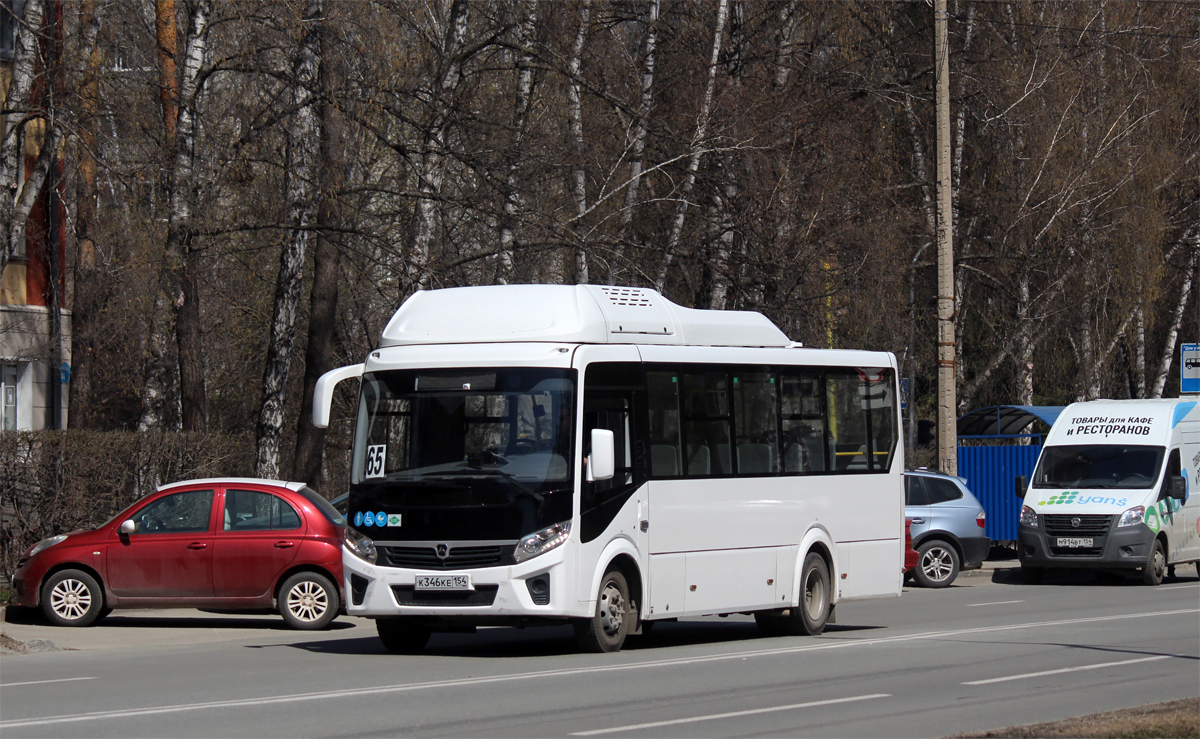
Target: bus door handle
(645, 525)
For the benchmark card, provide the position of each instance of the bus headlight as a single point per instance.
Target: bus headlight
(1028, 517)
(360, 546)
(1133, 516)
(540, 542)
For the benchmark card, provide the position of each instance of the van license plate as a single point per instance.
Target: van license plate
(1075, 543)
(444, 582)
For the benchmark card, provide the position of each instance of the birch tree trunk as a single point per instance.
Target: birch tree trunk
(727, 181)
(1185, 291)
(697, 148)
(579, 175)
(304, 136)
(513, 199)
(637, 147)
(432, 161)
(12, 223)
(308, 460)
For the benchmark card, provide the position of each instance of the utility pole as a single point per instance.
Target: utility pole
(947, 400)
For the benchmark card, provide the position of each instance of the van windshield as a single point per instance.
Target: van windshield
(1122, 466)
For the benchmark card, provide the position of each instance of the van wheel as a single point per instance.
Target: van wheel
(403, 635)
(1156, 565)
(816, 599)
(72, 598)
(606, 630)
(937, 564)
(1032, 575)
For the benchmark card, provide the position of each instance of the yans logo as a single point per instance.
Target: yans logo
(1073, 497)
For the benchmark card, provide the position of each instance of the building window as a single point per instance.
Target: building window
(8, 376)
(8, 31)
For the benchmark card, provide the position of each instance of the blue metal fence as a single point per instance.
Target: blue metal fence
(991, 473)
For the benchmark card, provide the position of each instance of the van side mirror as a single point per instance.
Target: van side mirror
(1177, 487)
(601, 464)
(1022, 484)
(128, 527)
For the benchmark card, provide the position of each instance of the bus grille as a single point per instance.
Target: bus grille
(482, 595)
(459, 558)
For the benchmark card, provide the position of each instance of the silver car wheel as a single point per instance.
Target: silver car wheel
(71, 599)
(307, 601)
(937, 563)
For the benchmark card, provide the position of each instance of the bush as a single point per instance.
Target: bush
(55, 482)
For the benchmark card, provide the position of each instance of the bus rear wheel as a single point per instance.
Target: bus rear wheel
(816, 599)
(606, 630)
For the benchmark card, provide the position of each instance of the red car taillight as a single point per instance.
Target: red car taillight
(981, 519)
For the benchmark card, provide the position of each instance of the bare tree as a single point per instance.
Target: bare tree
(303, 160)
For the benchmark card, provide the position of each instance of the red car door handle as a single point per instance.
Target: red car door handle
(284, 544)
(197, 545)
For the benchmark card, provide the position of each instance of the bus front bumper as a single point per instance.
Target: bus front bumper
(536, 588)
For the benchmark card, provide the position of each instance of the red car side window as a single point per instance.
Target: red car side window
(250, 510)
(176, 514)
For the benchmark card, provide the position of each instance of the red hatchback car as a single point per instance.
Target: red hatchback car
(227, 543)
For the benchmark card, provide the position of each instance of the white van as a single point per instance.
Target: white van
(1113, 490)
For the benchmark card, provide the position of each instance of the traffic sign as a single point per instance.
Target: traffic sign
(1189, 371)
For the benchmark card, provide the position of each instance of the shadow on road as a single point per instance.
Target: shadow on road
(1105, 578)
(555, 641)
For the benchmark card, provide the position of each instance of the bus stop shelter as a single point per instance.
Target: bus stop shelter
(995, 445)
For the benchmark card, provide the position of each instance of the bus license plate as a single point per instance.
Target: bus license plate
(444, 582)
(1075, 543)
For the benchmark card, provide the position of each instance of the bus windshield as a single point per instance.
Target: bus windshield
(508, 430)
(1099, 466)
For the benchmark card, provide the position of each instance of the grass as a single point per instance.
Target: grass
(1178, 719)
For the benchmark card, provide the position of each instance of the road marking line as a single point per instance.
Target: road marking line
(997, 603)
(1176, 587)
(731, 714)
(43, 682)
(1069, 669)
(542, 674)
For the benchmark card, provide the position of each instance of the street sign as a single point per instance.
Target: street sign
(903, 393)
(1189, 370)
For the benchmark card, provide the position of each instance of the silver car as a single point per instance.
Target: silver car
(947, 526)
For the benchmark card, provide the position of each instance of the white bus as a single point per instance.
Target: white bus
(544, 454)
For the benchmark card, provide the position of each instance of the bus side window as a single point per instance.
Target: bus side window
(754, 405)
(880, 396)
(803, 423)
(847, 422)
(662, 389)
(706, 429)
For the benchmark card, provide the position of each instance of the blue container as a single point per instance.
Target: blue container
(991, 473)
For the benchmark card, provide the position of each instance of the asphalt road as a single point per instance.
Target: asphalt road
(979, 655)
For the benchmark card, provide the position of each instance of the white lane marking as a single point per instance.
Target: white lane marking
(731, 714)
(1070, 669)
(407, 687)
(43, 682)
(1175, 587)
(996, 603)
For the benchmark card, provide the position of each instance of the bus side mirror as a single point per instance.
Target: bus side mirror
(323, 393)
(1022, 484)
(1177, 487)
(601, 462)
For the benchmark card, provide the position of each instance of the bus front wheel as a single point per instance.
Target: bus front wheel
(403, 635)
(606, 630)
(816, 599)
